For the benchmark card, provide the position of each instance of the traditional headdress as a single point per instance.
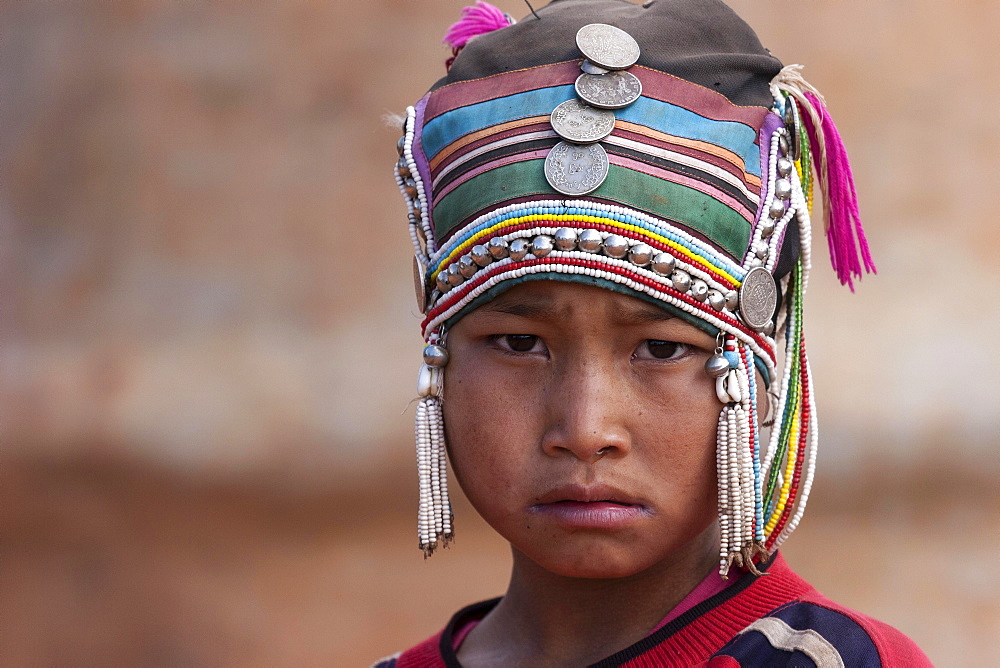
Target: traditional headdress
(656, 150)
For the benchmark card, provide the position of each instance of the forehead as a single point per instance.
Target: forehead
(568, 302)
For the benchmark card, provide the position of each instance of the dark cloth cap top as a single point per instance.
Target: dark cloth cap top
(702, 41)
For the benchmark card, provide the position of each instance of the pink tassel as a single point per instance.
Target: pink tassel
(840, 200)
(476, 20)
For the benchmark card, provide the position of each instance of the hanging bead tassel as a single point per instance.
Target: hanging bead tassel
(791, 457)
(737, 461)
(434, 516)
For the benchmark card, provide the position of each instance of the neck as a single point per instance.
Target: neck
(562, 620)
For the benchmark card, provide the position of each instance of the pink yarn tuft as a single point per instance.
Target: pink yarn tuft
(844, 232)
(476, 20)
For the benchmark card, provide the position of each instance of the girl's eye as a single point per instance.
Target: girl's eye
(661, 350)
(519, 343)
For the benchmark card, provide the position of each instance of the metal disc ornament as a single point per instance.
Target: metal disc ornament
(613, 90)
(580, 123)
(758, 298)
(607, 46)
(573, 169)
(793, 124)
(591, 68)
(419, 271)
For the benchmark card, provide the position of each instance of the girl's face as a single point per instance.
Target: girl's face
(581, 425)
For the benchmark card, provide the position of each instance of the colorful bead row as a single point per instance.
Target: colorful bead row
(589, 240)
(584, 214)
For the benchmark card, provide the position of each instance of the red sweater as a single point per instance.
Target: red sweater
(777, 620)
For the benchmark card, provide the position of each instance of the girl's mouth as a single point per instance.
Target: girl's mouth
(595, 507)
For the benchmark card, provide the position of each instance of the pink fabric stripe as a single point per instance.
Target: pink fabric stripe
(704, 156)
(464, 93)
(506, 160)
(655, 84)
(683, 180)
(702, 101)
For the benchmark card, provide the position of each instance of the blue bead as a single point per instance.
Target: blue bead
(732, 357)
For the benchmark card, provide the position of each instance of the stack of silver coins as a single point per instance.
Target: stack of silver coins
(579, 164)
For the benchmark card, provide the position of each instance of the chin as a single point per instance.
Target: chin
(592, 562)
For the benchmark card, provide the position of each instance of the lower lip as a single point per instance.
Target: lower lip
(591, 515)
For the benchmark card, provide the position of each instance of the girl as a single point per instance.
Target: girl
(610, 208)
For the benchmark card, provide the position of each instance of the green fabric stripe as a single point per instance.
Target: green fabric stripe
(694, 209)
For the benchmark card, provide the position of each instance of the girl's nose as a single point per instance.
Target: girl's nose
(588, 413)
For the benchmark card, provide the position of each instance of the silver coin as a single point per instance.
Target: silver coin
(613, 90)
(607, 46)
(758, 298)
(573, 169)
(580, 123)
(591, 68)
(419, 287)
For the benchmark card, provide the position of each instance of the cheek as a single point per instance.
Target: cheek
(488, 431)
(687, 421)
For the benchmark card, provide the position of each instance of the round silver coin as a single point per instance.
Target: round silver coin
(758, 298)
(607, 46)
(613, 90)
(419, 287)
(591, 68)
(573, 169)
(580, 123)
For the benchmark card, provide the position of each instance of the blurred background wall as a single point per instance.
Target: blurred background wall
(208, 340)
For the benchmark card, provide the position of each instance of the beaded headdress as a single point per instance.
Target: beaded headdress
(657, 150)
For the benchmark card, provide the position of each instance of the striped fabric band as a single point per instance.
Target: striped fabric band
(681, 153)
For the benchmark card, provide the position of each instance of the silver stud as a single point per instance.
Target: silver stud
(716, 366)
(616, 245)
(401, 145)
(716, 300)
(402, 168)
(436, 356)
(732, 300)
(566, 239)
(760, 249)
(467, 266)
(641, 254)
(784, 166)
(699, 290)
(541, 245)
(664, 263)
(442, 282)
(481, 255)
(498, 248)
(590, 241)
(410, 186)
(783, 188)
(766, 228)
(455, 275)
(681, 280)
(777, 209)
(518, 249)
(783, 144)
